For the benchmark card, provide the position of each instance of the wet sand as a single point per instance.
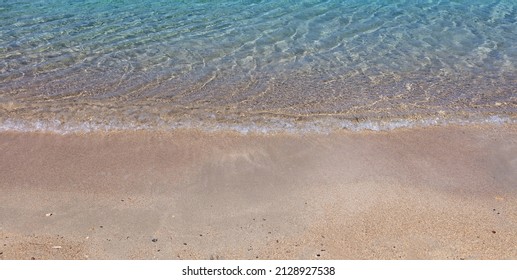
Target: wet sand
(428, 193)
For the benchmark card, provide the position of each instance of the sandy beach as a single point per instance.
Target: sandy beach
(422, 193)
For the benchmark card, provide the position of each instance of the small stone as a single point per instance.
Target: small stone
(317, 255)
(101, 227)
(56, 247)
(154, 240)
(33, 258)
(185, 244)
(48, 214)
(493, 231)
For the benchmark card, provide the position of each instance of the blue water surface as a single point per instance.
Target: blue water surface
(355, 59)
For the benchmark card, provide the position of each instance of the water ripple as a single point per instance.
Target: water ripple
(234, 61)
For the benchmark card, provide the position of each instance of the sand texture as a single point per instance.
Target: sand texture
(428, 193)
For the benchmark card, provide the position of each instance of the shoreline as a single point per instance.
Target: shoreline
(444, 192)
(292, 125)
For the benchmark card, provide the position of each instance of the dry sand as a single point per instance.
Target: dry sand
(433, 193)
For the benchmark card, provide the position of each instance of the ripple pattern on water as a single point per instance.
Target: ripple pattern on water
(160, 62)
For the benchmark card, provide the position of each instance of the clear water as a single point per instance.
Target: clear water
(255, 65)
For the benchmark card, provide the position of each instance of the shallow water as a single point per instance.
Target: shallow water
(255, 65)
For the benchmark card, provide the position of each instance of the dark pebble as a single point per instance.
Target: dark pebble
(263, 219)
(1, 253)
(200, 235)
(185, 244)
(101, 227)
(493, 231)
(154, 240)
(33, 258)
(159, 250)
(317, 255)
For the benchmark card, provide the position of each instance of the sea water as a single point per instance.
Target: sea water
(255, 65)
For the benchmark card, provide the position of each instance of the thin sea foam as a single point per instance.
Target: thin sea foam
(325, 126)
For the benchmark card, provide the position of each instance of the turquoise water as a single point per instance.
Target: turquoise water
(87, 65)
